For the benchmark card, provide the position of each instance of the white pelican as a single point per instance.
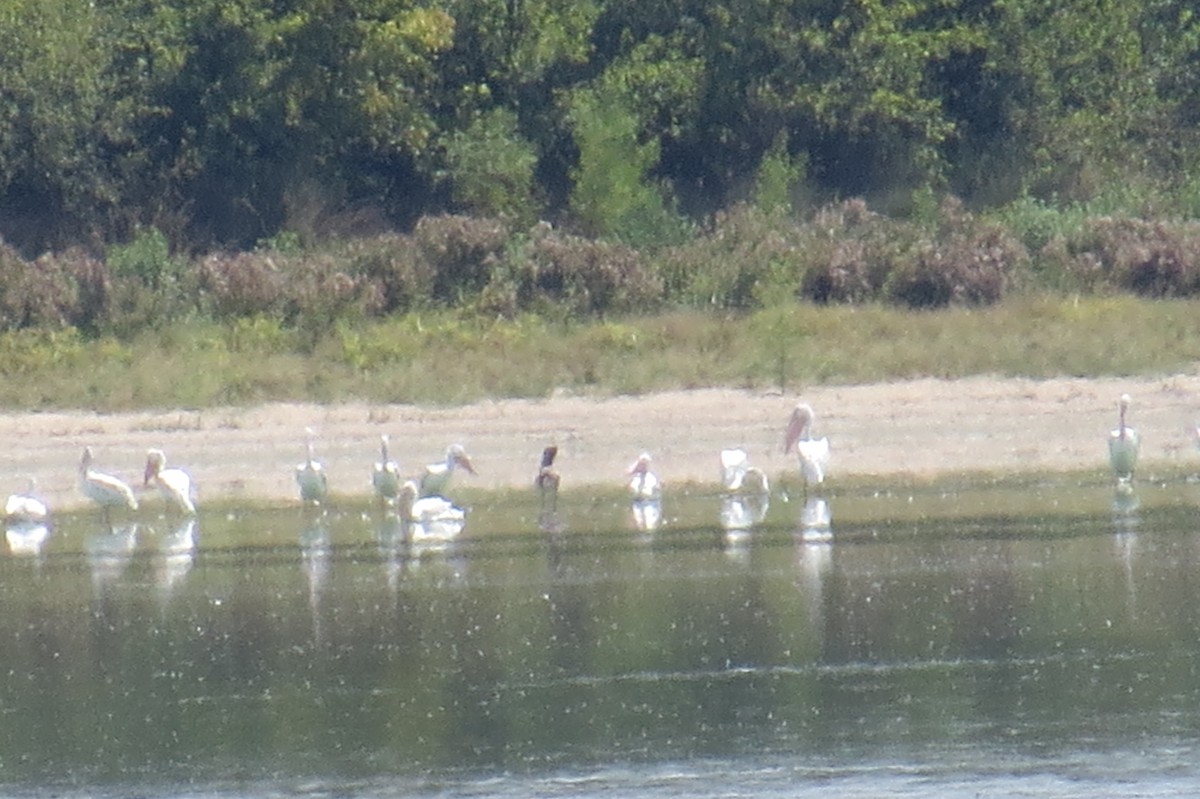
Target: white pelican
(813, 452)
(738, 476)
(174, 484)
(643, 483)
(547, 479)
(310, 475)
(437, 476)
(104, 489)
(26, 508)
(1123, 444)
(385, 475)
(428, 519)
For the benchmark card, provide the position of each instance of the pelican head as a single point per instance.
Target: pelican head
(799, 426)
(155, 461)
(641, 465)
(457, 456)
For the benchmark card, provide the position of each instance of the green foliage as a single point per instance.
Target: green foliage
(779, 174)
(492, 168)
(228, 124)
(613, 195)
(147, 259)
(746, 259)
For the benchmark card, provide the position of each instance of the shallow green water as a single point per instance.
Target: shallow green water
(965, 638)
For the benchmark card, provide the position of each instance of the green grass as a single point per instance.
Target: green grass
(446, 358)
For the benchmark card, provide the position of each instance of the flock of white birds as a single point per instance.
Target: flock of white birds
(421, 501)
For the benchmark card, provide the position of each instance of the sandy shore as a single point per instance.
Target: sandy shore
(921, 428)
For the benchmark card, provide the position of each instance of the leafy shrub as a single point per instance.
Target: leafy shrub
(31, 350)
(461, 251)
(38, 294)
(852, 250)
(242, 284)
(584, 276)
(745, 257)
(320, 290)
(968, 262)
(391, 263)
(1154, 259)
(492, 167)
(147, 258)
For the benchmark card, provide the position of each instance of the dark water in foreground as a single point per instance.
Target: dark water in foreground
(984, 641)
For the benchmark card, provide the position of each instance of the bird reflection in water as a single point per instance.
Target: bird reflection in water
(816, 520)
(647, 515)
(315, 552)
(26, 539)
(1126, 521)
(813, 561)
(176, 554)
(109, 551)
(744, 511)
(393, 548)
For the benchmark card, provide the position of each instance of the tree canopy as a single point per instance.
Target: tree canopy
(223, 123)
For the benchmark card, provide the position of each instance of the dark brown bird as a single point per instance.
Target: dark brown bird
(547, 478)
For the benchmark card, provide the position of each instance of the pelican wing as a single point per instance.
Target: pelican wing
(176, 488)
(1123, 451)
(733, 468)
(24, 508)
(314, 485)
(109, 491)
(814, 458)
(385, 478)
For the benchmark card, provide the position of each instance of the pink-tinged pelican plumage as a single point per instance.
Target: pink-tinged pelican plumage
(310, 475)
(385, 475)
(643, 483)
(1123, 443)
(26, 508)
(813, 452)
(739, 477)
(436, 478)
(174, 484)
(105, 490)
(428, 519)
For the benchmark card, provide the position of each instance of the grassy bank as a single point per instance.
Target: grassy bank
(445, 358)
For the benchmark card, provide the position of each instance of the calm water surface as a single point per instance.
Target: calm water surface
(1042, 641)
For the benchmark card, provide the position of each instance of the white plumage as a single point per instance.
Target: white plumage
(429, 518)
(738, 476)
(310, 475)
(1123, 444)
(436, 478)
(385, 475)
(105, 490)
(174, 484)
(26, 508)
(643, 483)
(813, 452)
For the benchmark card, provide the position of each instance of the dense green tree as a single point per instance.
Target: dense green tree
(227, 122)
(66, 122)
